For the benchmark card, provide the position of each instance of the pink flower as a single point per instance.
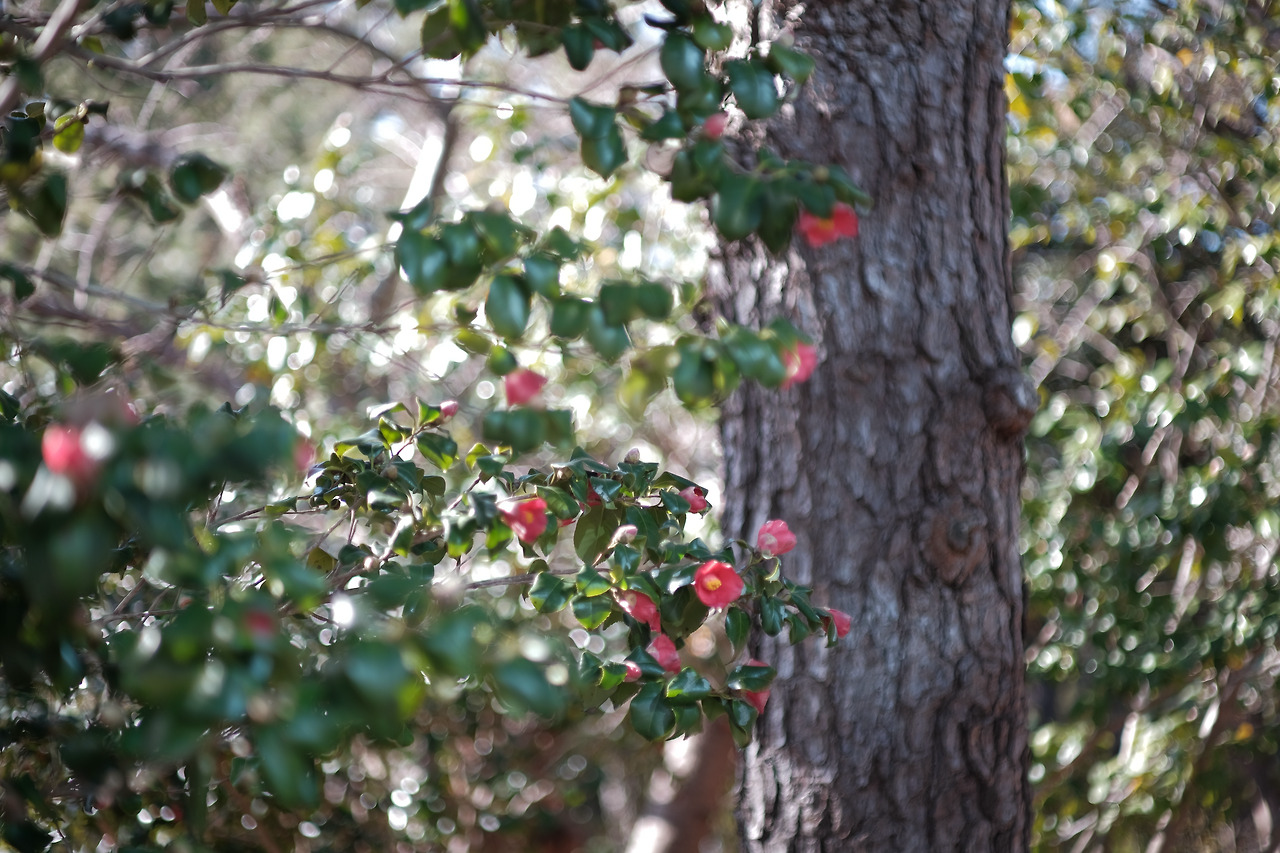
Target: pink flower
(800, 362)
(522, 385)
(714, 125)
(842, 621)
(760, 697)
(527, 519)
(819, 232)
(633, 671)
(641, 608)
(261, 624)
(449, 408)
(775, 538)
(696, 498)
(304, 453)
(717, 584)
(664, 652)
(64, 454)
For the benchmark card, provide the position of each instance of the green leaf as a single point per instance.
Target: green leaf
(521, 684)
(738, 206)
(654, 300)
(507, 307)
(772, 614)
(668, 126)
(751, 678)
(616, 301)
(288, 774)
(196, 13)
(650, 715)
(68, 134)
(22, 285)
(440, 449)
(791, 62)
(591, 583)
(591, 612)
(608, 340)
(682, 62)
(688, 686)
(424, 260)
(463, 245)
(47, 206)
(467, 22)
(604, 154)
(579, 46)
(710, 35)
(593, 533)
(753, 88)
(550, 593)
(737, 627)
(591, 121)
(542, 275)
(569, 317)
(223, 6)
(193, 175)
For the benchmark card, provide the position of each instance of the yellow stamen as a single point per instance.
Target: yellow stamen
(712, 584)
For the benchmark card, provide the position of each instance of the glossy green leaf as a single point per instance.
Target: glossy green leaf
(753, 87)
(507, 307)
(651, 716)
(550, 593)
(682, 61)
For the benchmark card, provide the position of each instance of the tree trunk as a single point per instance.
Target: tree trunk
(898, 463)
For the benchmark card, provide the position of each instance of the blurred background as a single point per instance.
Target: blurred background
(1144, 175)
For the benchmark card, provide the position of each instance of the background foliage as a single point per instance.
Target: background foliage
(1144, 171)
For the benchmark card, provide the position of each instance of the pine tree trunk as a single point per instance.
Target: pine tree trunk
(898, 463)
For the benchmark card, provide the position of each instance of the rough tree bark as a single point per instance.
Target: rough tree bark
(898, 463)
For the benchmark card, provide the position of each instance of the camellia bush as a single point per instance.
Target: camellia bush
(219, 633)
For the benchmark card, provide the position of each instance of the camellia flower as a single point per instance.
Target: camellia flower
(717, 584)
(640, 607)
(775, 538)
(522, 385)
(713, 127)
(817, 231)
(799, 362)
(841, 620)
(664, 652)
(449, 408)
(633, 671)
(527, 519)
(64, 453)
(757, 698)
(696, 498)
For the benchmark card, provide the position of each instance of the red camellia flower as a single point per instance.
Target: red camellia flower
(641, 608)
(522, 385)
(759, 697)
(633, 671)
(800, 362)
(717, 584)
(696, 498)
(819, 232)
(842, 621)
(775, 538)
(714, 125)
(64, 453)
(664, 652)
(527, 519)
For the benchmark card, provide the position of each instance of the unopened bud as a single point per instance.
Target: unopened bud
(633, 456)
